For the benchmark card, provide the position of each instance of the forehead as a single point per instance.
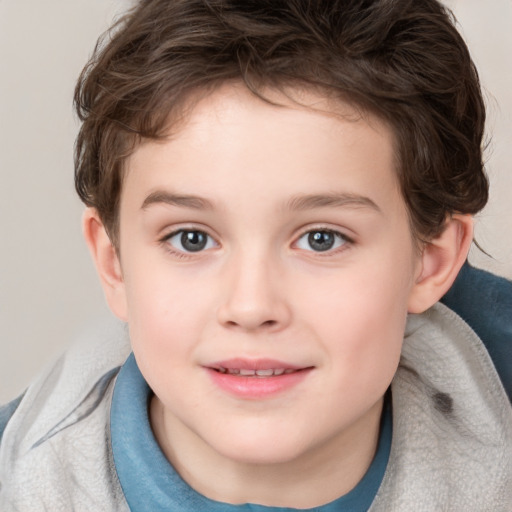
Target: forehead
(297, 141)
(270, 107)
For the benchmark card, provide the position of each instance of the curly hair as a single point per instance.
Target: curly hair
(402, 60)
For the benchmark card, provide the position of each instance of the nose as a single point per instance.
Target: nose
(254, 296)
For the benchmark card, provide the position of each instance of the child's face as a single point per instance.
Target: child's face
(271, 239)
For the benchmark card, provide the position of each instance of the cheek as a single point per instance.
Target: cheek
(165, 313)
(361, 321)
(165, 325)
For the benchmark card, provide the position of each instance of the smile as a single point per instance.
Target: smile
(256, 379)
(242, 372)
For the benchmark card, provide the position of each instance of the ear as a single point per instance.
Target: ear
(107, 262)
(440, 262)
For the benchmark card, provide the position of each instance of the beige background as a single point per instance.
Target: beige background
(48, 288)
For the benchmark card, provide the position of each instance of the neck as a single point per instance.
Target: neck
(317, 476)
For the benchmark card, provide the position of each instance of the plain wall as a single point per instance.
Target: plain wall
(48, 288)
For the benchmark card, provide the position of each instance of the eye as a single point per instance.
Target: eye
(321, 240)
(190, 240)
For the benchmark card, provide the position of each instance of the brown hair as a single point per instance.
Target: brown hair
(402, 60)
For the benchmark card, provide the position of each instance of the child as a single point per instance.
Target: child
(279, 193)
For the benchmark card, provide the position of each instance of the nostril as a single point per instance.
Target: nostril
(252, 325)
(253, 316)
(266, 323)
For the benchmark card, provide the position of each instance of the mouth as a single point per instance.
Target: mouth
(256, 379)
(265, 373)
(256, 368)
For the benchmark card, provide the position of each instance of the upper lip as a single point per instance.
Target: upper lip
(254, 364)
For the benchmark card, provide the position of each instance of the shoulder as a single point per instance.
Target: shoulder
(57, 433)
(81, 372)
(484, 301)
(6, 413)
(89, 362)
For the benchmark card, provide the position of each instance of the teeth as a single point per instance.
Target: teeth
(243, 372)
(265, 373)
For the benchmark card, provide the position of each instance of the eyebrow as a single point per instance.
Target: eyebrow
(296, 203)
(186, 201)
(308, 202)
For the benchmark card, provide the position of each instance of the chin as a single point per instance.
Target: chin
(260, 449)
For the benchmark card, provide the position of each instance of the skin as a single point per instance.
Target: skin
(260, 289)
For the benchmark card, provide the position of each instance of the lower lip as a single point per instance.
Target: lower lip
(257, 387)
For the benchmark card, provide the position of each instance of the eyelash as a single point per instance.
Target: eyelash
(346, 241)
(183, 254)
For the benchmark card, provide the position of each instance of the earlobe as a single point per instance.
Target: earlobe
(440, 263)
(106, 261)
